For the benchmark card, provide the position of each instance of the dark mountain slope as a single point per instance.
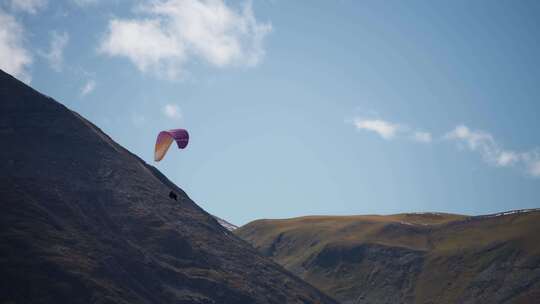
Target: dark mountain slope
(84, 221)
(409, 258)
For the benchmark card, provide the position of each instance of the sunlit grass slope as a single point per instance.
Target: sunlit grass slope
(409, 258)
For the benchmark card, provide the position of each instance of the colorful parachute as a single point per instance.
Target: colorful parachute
(165, 138)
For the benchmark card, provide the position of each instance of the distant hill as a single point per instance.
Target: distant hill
(85, 221)
(409, 258)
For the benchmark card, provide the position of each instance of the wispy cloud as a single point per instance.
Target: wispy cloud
(88, 88)
(506, 158)
(172, 111)
(481, 142)
(175, 31)
(385, 129)
(14, 57)
(55, 54)
(491, 151)
(389, 130)
(28, 6)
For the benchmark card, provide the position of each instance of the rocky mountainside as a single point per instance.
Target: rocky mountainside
(85, 221)
(409, 258)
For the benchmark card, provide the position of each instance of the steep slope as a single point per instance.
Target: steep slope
(409, 258)
(85, 221)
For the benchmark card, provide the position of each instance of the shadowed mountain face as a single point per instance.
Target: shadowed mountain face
(85, 221)
(409, 258)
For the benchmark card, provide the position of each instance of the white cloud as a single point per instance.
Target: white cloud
(172, 111)
(506, 158)
(483, 143)
(14, 58)
(421, 136)
(480, 142)
(28, 6)
(491, 152)
(385, 129)
(145, 44)
(475, 139)
(390, 130)
(55, 55)
(88, 87)
(174, 31)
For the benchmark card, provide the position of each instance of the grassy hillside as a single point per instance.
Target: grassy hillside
(409, 258)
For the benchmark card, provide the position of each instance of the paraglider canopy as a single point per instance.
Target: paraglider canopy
(165, 138)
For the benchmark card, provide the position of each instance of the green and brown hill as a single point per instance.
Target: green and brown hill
(85, 221)
(409, 258)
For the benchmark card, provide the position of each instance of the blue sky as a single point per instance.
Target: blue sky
(297, 107)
